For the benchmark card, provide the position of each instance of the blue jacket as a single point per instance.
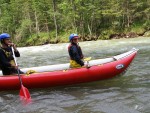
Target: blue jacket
(75, 53)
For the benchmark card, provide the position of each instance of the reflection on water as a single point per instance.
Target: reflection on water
(125, 94)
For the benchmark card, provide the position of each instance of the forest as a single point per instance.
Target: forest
(37, 22)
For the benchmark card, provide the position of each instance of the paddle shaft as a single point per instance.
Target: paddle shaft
(16, 65)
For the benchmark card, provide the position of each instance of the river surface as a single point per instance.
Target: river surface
(129, 93)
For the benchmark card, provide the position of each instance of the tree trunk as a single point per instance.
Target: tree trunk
(36, 24)
(74, 19)
(47, 28)
(128, 15)
(89, 30)
(55, 21)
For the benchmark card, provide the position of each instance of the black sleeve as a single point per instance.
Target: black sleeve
(17, 54)
(4, 62)
(76, 56)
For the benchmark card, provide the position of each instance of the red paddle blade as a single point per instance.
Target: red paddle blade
(24, 93)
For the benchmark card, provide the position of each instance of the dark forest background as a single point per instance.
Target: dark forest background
(36, 22)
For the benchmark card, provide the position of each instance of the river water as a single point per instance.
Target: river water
(129, 93)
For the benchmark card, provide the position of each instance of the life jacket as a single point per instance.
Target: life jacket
(9, 56)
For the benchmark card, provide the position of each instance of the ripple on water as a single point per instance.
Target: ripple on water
(123, 94)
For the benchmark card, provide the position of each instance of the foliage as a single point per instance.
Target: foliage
(51, 21)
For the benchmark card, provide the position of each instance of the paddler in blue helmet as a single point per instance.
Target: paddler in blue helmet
(7, 63)
(75, 52)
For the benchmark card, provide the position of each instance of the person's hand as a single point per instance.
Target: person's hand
(14, 66)
(13, 45)
(86, 65)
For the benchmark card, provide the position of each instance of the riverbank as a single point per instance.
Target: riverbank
(117, 36)
(44, 39)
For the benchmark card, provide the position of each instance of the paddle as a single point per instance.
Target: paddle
(87, 60)
(24, 93)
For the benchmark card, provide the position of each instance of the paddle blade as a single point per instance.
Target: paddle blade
(87, 59)
(24, 93)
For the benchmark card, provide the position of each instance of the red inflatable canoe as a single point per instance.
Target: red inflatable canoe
(60, 75)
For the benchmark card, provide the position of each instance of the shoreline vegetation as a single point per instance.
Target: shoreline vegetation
(42, 41)
(38, 22)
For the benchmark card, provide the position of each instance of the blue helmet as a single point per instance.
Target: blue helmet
(4, 36)
(72, 36)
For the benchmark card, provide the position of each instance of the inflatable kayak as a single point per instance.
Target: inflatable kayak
(61, 74)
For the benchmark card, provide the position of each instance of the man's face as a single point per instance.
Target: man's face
(7, 41)
(75, 40)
